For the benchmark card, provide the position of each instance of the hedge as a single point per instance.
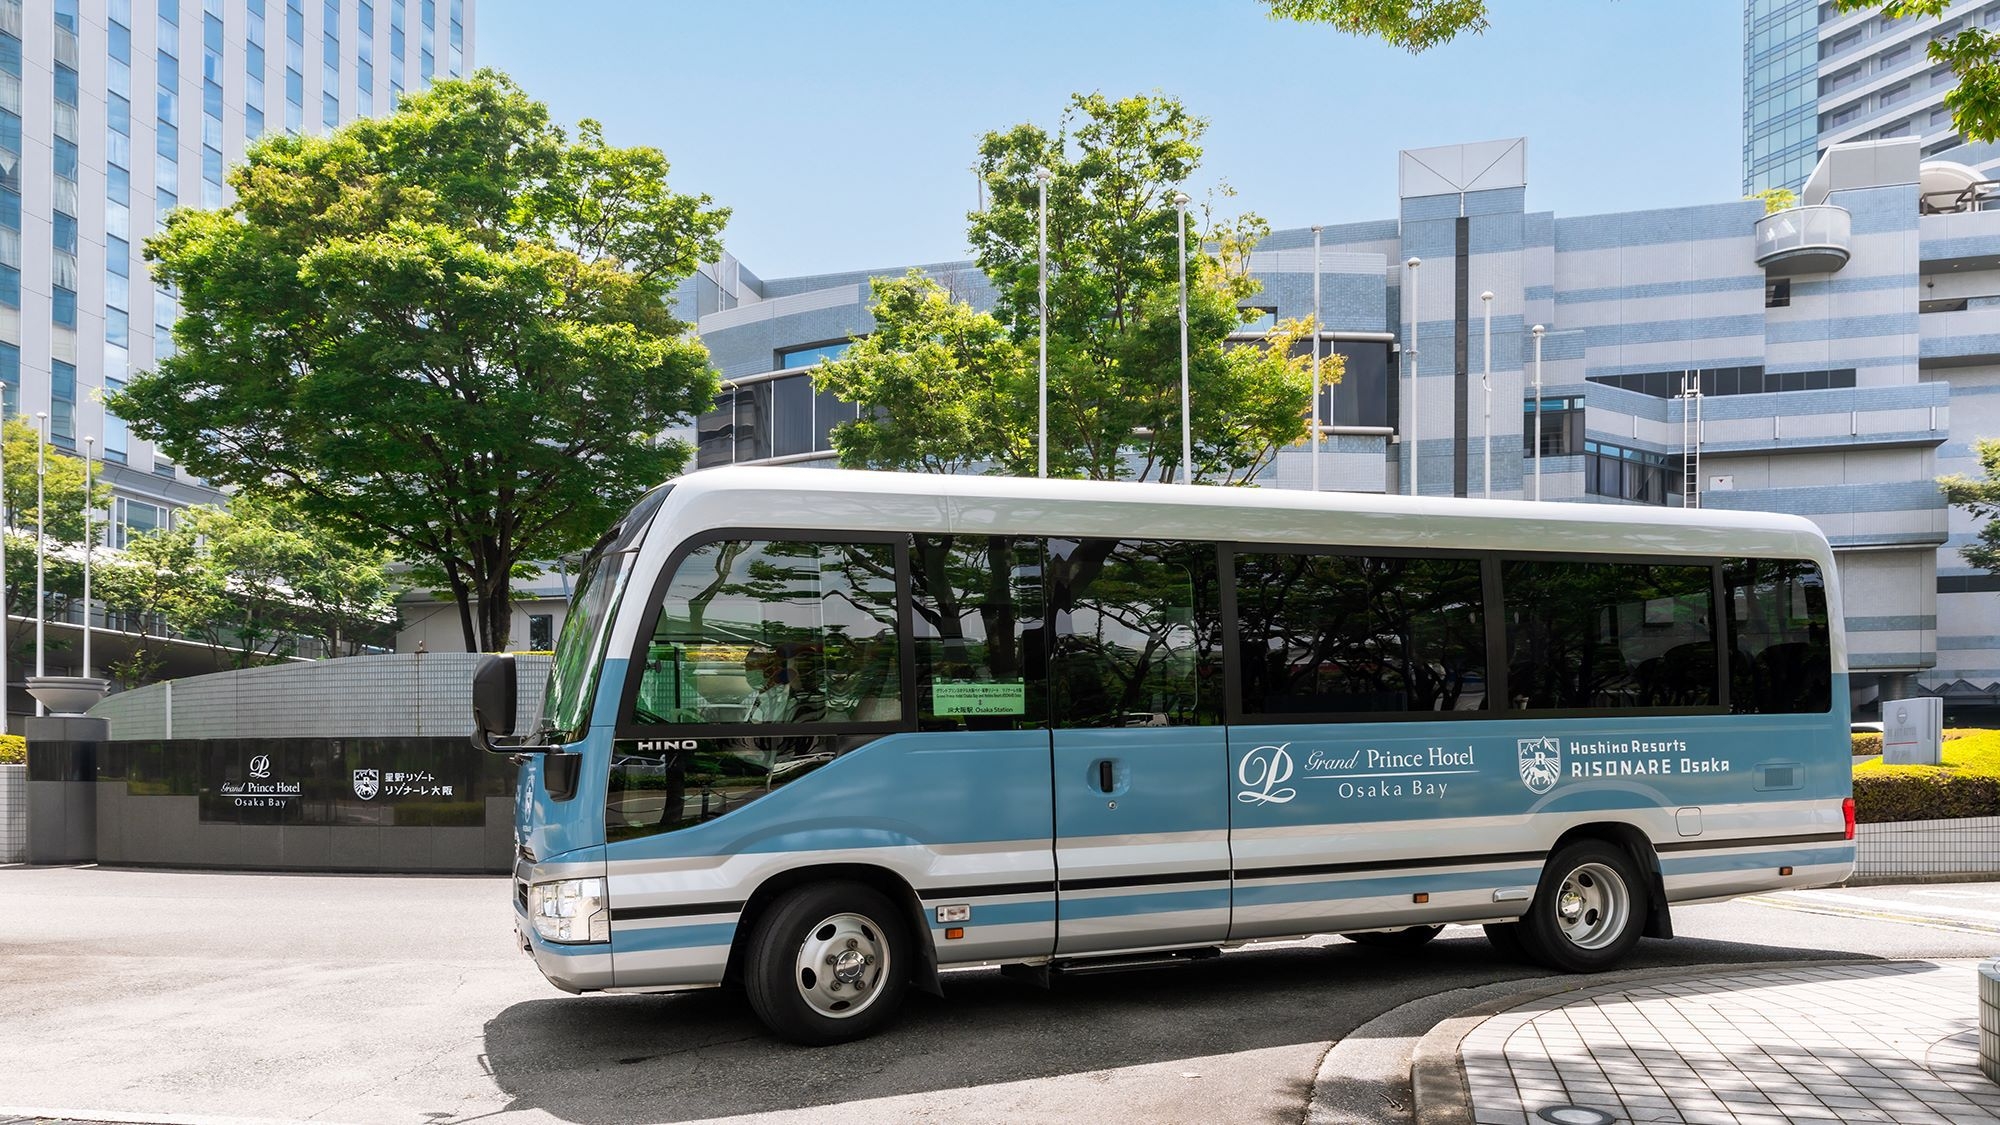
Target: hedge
(1966, 785)
(13, 750)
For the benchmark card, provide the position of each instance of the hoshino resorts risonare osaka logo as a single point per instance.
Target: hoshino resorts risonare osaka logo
(1541, 763)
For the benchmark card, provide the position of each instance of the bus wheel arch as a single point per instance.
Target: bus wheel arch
(1658, 922)
(1594, 901)
(923, 965)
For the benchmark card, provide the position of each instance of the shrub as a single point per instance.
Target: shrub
(1966, 785)
(1867, 744)
(13, 750)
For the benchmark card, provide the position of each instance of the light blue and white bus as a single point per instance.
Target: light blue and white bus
(828, 734)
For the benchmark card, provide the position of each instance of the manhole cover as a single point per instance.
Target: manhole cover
(1574, 1115)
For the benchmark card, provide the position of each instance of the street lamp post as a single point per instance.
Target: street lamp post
(1415, 321)
(1315, 343)
(1486, 383)
(1538, 331)
(4, 694)
(1042, 259)
(41, 552)
(89, 444)
(1187, 435)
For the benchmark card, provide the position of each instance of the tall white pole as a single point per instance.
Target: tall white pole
(1042, 259)
(1315, 345)
(1187, 435)
(41, 552)
(89, 479)
(1538, 330)
(5, 522)
(1416, 319)
(1486, 382)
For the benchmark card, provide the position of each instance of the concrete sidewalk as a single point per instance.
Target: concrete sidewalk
(1881, 1041)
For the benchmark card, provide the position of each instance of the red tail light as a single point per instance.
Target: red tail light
(1847, 814)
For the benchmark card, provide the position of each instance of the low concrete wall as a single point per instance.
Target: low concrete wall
(359, 764)
(1927, 849)
(390, 696)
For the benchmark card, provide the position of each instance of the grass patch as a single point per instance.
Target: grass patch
(1967, 784)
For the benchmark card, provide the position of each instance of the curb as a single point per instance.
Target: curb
(1437, 1073)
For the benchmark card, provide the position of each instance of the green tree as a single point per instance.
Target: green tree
(444, 332)
(1775, 199)
(248, 579)
(1982, 499)
(63, 496)
(1973, 53)
(944, 387)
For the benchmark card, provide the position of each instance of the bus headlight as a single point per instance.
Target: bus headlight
(571, 911)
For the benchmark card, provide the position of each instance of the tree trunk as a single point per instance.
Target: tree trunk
(462, 594)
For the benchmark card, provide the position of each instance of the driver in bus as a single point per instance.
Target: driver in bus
(773, 682)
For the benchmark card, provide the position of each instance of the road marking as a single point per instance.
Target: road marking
(1916, 915)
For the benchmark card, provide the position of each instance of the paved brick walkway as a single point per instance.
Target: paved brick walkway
(1895, 1042)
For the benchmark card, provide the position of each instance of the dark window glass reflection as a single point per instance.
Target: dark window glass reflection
(1598, 635)
(1327, 633)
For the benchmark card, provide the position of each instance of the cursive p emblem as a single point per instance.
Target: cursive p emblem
(1261, 772)
(260, 766)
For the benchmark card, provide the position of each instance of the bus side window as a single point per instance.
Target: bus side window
(1326, 633)
(1138, 633)
(775, 632)
(977, 609)
(1780, 661)
(1595, 635)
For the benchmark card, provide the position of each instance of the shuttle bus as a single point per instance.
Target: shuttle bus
(826, 734)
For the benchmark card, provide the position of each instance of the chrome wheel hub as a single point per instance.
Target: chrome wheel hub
(841, 965)
(1593, 907)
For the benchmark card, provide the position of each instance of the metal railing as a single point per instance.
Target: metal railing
(1819, 235)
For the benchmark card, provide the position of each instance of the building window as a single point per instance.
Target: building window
(1263, 320)
(1629, 474)
(1561, 425)
(1778, 293)
(541, 632)
(811, 354)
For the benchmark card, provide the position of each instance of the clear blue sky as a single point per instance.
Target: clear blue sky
(842, 132)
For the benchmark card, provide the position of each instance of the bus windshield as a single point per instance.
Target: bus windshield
(593, 606)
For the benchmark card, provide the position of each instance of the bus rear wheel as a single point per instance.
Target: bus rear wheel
(1409, 937)
(828, 964)
(1588, 910)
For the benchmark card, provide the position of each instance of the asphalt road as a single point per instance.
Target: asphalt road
(397, 999)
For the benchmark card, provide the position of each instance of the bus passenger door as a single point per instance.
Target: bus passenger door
(1140, 760)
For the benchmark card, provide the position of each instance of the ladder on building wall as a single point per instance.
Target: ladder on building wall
(1691, 439)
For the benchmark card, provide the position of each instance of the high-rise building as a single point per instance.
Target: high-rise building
(113, 113)
(1814, 77)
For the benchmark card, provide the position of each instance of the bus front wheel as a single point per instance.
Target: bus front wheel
(1588, 911)
(828, 963)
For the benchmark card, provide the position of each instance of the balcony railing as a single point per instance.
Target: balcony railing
(1804, 240)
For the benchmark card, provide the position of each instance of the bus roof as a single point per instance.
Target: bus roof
(775, 497)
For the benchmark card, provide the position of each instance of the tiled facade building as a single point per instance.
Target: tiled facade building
(1847, 353)
(1814, 77)
(114, 112)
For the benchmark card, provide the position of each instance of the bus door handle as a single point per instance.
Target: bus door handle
(1105, 779)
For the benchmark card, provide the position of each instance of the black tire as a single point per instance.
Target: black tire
(1505, 938)
(1588, 911)
(790, 975)
(1409, 938)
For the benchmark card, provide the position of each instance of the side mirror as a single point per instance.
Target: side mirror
(493, 701)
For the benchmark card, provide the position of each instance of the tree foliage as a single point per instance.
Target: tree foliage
(248, 579)
(444, 331)
(1982, 499)
(944, 387)
(1973, 53)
